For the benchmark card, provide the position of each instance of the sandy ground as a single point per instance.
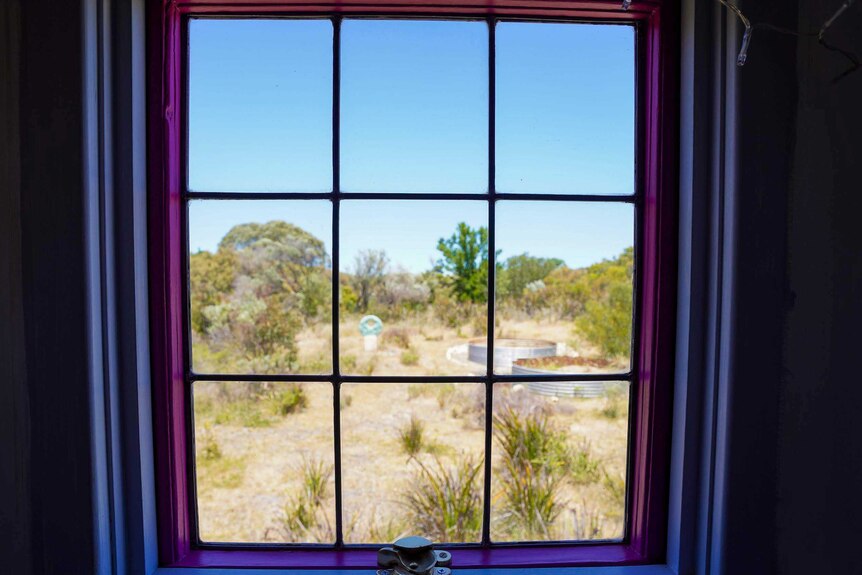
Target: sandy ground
(244, 494)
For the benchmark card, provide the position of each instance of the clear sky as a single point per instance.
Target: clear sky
(414, 119)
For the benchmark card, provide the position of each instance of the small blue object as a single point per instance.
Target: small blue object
(370, 325)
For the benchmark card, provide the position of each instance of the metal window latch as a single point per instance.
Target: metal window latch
(413, 556)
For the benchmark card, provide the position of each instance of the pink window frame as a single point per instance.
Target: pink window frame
(650, 440)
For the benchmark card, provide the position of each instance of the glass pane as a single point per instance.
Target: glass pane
(414, 106)
(565, 108)
(413, 287)
(559, 461)
(260, 286)
(412, 456)
(564, 287)
(260, 105)
(264, 457)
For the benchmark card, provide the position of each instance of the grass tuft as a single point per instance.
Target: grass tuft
(445, 502)
(533, 463)
(291, 400)
(409, 357)
(412, 436)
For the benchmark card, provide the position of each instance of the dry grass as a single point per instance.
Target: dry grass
(243, 492)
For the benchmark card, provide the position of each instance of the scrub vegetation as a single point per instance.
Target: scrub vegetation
(412, 453)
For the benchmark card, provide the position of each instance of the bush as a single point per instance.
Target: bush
(409, 357)
(348, 363)
(208, 447)
(303, 516)
(445, 503)
(411, 436)
(415, 390)
(615, 487)
(534, 459)
(291, 400)
(616, 402)
(581, 467)
(396, 337)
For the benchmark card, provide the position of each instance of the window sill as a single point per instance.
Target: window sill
(615, 570)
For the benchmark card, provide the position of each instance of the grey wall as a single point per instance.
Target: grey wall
(819, 491)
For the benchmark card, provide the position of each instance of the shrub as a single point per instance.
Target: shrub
(369, 367)
(315, 480)
(409, 357)
(581, 467)
(291, 400)
(303, 516)
(415, 390)
(534, 458)
(243, 412)
(444, 503)
(411, 436)
(208, 447)
(348, 363)
(615, 487)
(588, 523)
(444, 393)
(397, 337)
(616, 402)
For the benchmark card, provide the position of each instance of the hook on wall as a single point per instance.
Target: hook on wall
(742, 56)
(627, 4)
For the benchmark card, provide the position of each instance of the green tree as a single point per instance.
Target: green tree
(606, 290)
(519, 271)
(464, 262)
(212, 277)
(249, 298)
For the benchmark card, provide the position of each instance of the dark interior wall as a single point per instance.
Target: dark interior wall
(45, 370)
(762, 137)
(819, 505)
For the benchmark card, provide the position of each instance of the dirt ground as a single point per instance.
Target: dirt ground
(248, 489)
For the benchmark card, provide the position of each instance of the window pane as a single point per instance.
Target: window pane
(414, 106)
(564, 287)
(260, 286)
(565, 108)
(264, 456)
(420, 269)
(559, 461)
(412, 456)
(260, 105)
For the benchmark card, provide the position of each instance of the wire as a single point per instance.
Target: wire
(742, 55)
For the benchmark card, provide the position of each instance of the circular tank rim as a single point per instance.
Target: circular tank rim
(481, 342)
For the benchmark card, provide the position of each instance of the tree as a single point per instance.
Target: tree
(369, 270)
(212, 277)
(606, 289)
(519, 271)
(464, 262)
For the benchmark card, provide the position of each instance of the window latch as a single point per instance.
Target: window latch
(413, 556)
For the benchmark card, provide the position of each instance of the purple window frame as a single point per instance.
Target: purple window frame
(656, 112)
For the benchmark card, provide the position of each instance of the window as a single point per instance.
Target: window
(356, 210)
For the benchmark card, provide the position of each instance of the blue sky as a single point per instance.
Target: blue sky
(414, 119)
